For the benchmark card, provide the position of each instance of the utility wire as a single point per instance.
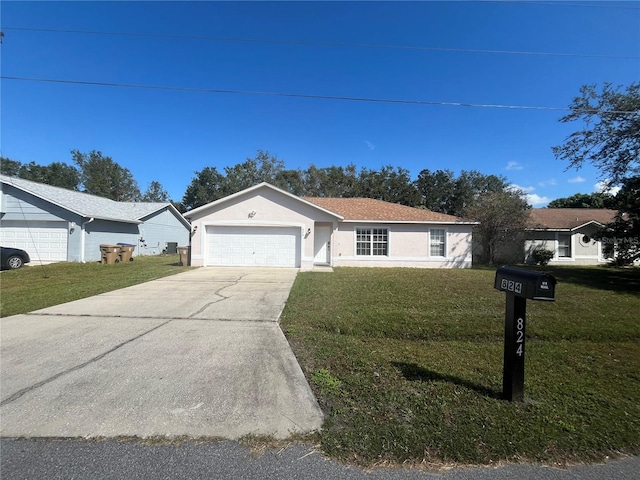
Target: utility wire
(317, 97)
(321, 44)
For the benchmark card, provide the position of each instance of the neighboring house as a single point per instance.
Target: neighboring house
(55, 224)
(568, 232)
(266, 226)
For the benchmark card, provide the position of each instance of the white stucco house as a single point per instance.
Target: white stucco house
(266, 226)
(568, 232)
(55, 224)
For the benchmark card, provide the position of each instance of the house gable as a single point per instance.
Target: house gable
(264, 190)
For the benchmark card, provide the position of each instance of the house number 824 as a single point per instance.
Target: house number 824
(519, 336)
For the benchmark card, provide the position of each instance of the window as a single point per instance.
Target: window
(372, 241)
(437, 243)
(564, 245)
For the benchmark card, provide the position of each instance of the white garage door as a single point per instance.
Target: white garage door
(43, 241)
(253, 246)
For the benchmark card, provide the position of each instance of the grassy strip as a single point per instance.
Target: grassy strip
(40, 286)
(407, 365)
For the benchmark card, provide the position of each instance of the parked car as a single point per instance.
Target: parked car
(12, 258)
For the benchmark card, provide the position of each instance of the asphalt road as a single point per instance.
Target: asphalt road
(112, 459)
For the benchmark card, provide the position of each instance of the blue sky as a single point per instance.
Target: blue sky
(169, 135)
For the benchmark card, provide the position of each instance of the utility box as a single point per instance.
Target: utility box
(520, 285)
(109, 254)
(172, 248)
(526, 283)
(184, 255)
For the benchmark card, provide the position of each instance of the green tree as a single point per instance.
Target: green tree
(437, 190)
(503, 216)
(290, 181)
(155, 193)
(609, 139)
(610, 134)
(103, 177)
(57, 174)
(262, 168)
(334, 181)
(621, 238)
(442, 192)
(390, 185)
(585, 200)
(9, 167)
(207, 186)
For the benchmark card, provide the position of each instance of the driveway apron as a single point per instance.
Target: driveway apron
(198, 354)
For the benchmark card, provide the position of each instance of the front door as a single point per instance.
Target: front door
(322, 244)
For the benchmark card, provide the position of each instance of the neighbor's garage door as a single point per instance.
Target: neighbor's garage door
(43, 241)
(253, 246)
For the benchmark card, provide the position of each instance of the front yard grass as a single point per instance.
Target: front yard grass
(39, 286)
(407, 366)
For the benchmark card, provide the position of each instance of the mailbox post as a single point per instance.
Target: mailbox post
(519, 284)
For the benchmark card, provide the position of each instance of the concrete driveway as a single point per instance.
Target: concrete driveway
(199, 354)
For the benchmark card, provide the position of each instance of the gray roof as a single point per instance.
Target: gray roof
(90, 205)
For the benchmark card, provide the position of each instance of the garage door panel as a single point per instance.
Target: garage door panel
(253, 246)
(46, 241)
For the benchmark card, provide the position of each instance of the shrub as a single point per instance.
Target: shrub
(542, 256)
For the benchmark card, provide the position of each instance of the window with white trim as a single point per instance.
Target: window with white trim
(372, 241)
(564, 245)
(437, 242)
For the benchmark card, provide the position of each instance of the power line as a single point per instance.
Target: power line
(321, 44)
(310, 96)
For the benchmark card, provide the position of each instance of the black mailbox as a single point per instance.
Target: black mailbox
(526, 283)
(519, 284)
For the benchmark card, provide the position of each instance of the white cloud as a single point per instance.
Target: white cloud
(536, 200)
(547, 183)
(513, 186)
(605, 187)
(533, 198)
(577, 179)
(370, 145)
(513, 166)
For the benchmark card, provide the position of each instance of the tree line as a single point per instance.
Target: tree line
(439, 190)
(90, 173)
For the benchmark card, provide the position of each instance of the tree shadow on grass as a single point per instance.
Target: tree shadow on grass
(623, 280)
(416, 373)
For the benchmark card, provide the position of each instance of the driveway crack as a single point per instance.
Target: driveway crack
(217, 292)
(20, 393)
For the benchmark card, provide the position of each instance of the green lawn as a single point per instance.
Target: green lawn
(407, 365)
(38, 286)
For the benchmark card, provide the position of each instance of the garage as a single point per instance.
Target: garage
(253, 246)
(43, 241)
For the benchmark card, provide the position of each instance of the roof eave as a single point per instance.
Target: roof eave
(588, 223)
(426, 222)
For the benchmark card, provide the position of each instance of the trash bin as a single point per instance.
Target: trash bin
(109, 253)
(184, 255)
(126, 252)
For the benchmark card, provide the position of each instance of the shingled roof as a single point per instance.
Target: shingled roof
(376, 210)
(89, 205)
(568, 218)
